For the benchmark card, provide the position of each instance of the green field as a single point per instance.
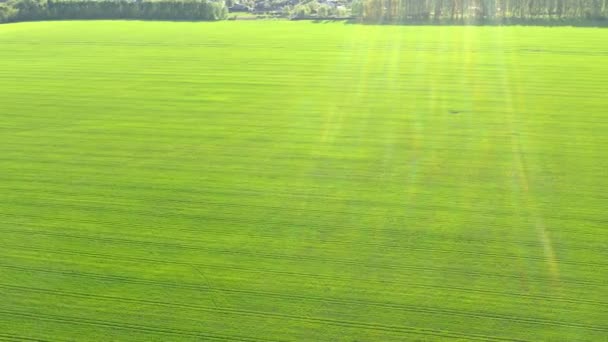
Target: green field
(303, 182)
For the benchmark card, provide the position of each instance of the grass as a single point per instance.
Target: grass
(294, 181)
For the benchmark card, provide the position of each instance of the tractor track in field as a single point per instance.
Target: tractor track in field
(89, 205)
(309, 275)
(147, 133)
(173, 44)
(177, 155)
(175, 75)
(277, 256)
(269, 236)
(300, 274)
(152, 131)
(10, 337)
(129, 326)
(251, 313)
(285, 273)
(523, 320)
(270, 79)
(70, 155)
(209, 189)
(180, 332)
(235, 121)
(76, 160)
(229, 233)
(86, 204)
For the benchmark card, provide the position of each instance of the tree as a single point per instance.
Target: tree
(357, 8)
(301, 11)
(7, 12)
(323, 11)
(22, 10)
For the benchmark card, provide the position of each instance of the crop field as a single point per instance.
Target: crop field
(300, 181)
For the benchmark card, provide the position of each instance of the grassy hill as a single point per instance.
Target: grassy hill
(296, 181)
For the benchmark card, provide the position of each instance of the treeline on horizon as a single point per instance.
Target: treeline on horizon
(376, 11)
(30, 10)
(480, 10)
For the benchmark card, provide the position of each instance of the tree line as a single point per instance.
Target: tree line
(491, 10)
(27, 10)
(365, 10)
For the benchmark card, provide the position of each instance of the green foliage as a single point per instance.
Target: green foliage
(24, 10)
(342, 11)
(29, 9)
(301, 11)
(313, 6)
(324, 10)
(497, 10)
(357, 8)
(7, 12)
(291, 181)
